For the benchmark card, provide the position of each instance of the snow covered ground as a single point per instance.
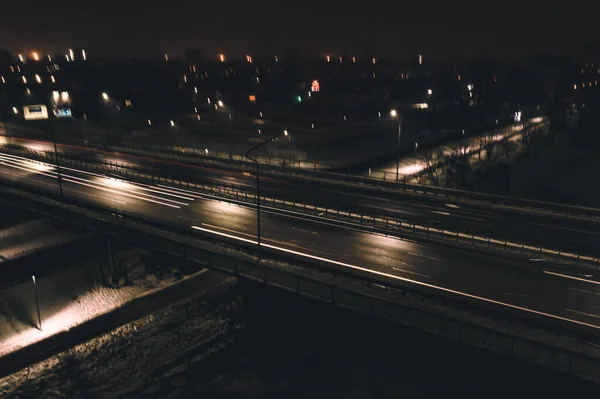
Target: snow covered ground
(143, 357)
(31, 236)
(246, 340)
(68, 298)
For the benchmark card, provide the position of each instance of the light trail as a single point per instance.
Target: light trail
(404, 279)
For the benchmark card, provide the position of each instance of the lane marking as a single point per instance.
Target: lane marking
(68, 179)
(565, 228)
(404, 279)
(426, 256)
(585, 291)
(140, 186)
(572, 277)
(583, 313)
(411, 272)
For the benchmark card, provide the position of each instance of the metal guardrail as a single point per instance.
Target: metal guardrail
(294, 168)
(384, 224)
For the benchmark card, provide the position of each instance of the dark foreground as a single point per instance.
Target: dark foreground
(249, 340)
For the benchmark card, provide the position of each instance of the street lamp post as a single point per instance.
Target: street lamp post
(37, 302)
(398, 150)
(255, 160)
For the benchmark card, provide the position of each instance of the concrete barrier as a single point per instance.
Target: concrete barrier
(316, 289)
(282, 280)
(586, 368)
(352, 300)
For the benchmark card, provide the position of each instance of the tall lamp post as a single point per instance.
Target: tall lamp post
(394, 114)
(255, 160)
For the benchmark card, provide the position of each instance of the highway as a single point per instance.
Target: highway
(541, 294)
(568, 235)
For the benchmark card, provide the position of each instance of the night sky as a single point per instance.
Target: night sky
(384, 28)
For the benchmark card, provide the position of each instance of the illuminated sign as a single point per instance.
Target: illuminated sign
(35, 112)
(63, 113)
(315, 86)
(252, 98)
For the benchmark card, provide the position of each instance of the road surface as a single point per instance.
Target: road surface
(564, 299)
(567, 235)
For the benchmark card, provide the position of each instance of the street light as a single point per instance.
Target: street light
(255, 160)
(394, 114)
(105, 96)
(37, 302)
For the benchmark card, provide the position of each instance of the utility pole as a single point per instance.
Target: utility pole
(37, 302)
(398, 149)
(255, 160)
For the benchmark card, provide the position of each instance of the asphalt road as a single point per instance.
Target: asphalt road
(567, 235)
(565, 299)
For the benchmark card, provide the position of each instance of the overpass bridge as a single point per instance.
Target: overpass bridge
(541, 315)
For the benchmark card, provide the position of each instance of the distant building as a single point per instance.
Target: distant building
(5, 58)
(194, 56)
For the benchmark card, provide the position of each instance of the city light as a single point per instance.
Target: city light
(276, 59)
(52, 79)
(328, 58)
(222, 57)
(166, 57)
(393, 113)
(83, 55)
(574, 87)
(198, 117)
(420, 59)
(220, 103)
(71, 54)
(249, 59)
(470, 87)
(172, 123)
(24, 79)
(206, 151)
(353, 59)
(374, 60)
(315, 86)
(49, 58)
(21, 58)
(429, 92)
(27, 91)
(38, 78)
(149, 122)
(2, 78)
(105, 96)
(285, 132)
(15, 110)
(35, 56)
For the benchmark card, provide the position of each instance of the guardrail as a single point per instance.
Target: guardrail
(291, 169)
(539, 340)
(395, 225)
